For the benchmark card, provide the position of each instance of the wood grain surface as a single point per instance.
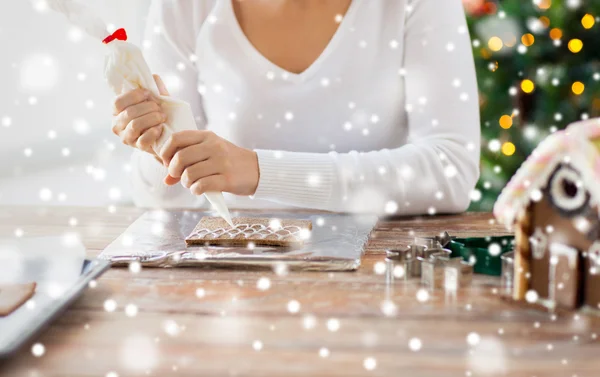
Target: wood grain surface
(216, 322)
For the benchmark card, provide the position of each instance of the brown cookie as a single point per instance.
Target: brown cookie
(12, 296)
(259, 231)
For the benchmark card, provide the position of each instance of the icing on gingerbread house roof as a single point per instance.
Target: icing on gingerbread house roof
(578, 145)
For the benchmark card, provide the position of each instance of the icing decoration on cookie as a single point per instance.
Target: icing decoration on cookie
(119, 34)
(594, 255)
(539, 243)
(256, 231)
(566, 191)
(578, 145)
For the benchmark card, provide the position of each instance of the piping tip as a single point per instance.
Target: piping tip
(227, 217)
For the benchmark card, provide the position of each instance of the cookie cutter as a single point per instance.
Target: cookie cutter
(442, 271)
(508, 274)
(406, 263)
(400, 264)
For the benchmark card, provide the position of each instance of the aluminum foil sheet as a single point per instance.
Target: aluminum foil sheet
(157, 239)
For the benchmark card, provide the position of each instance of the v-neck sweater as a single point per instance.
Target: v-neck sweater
(385, 120)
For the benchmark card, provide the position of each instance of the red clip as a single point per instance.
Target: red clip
(119, 34)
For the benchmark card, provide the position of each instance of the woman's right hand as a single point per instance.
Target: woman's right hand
(138, 118)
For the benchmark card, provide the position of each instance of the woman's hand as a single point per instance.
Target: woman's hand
(205, 162)
(139, 118)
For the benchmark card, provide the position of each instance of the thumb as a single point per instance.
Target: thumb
(162, 89)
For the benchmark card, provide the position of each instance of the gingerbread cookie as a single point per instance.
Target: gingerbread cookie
(12, 296)
(247, 230)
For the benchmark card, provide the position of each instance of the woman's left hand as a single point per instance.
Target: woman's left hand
(205, 162)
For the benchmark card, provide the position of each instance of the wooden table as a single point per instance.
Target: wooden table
(236, 329)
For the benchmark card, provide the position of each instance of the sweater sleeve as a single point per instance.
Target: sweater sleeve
(168, 47)
(437, 168)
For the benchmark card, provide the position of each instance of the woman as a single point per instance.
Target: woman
(342, 105)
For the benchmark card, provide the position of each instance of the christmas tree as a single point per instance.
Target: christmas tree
(538, 68)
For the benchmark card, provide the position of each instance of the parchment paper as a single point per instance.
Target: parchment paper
(157, 239)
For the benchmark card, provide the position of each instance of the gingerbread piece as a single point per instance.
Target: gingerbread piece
(564, 276)
(12, 296)
(592, 277)
(522, 254)
(246, 230)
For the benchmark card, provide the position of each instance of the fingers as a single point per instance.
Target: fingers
(181, 140)
(133, 112)
(162, 89)
(170, 181)
(140, 109)
(138, 126)
(186, 157)
(130, 98)
(199, 170)
(148, 139)
(208, 184)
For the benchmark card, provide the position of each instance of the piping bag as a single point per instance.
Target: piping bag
(126, 70)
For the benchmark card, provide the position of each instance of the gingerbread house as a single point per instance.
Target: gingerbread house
(552, 203)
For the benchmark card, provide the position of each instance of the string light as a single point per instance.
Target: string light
(506, 121)
(578, 87)
(510, 40)
(588, 21)
(545, 21)
(508, 148)
(556, 34)
(495, 44)
(543, 4)
(527, 86)
(528, 39)
(575, 45)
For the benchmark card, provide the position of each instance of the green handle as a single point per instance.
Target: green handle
(487, 257)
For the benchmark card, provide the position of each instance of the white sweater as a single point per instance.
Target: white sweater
(386, 120)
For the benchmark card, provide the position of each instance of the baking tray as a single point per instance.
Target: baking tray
(157, 239)
(27, 321)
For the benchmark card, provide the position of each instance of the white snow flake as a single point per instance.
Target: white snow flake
(333, 324)
(263, 284)
(415, 344)
(38, 350)
(370, 363)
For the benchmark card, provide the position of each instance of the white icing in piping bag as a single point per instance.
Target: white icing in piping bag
(125, 70)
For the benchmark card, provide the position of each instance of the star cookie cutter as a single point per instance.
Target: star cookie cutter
(429, 259)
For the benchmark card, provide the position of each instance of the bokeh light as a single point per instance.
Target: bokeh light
(528, 39)
(588, 21)
(508, 148)
(495, 44)
(575, 45)
(578, 87)
(543, 4)
(556, 34)
(506, 121)
(527, 86)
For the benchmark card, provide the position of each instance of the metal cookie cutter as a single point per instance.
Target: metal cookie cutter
(441, 271)
(406, 263)
(425, 247)
(508, 274)
(400, 264)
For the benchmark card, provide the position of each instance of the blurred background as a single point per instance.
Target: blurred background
(538, 68)
(537, 61)
(55, 112)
